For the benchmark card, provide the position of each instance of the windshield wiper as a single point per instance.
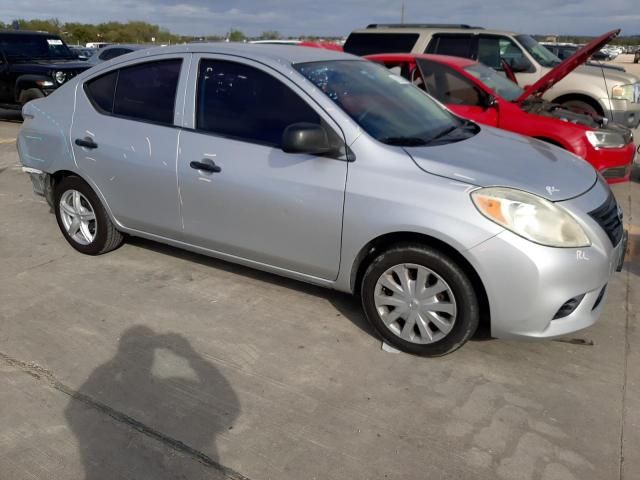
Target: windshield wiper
(404, 141)
(466, 126)
(443, 133)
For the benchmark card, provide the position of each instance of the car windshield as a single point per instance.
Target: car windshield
(385, 105)
(26, 47)
(501, 85)
(543, 56)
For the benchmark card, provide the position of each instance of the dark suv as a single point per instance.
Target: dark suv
(32, 65)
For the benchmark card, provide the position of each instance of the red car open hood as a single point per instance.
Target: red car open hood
(567, 66)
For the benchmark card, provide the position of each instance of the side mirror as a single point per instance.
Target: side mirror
(309, 138)
(489, 101)
(519, 65)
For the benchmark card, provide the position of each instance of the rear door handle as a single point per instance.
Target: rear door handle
(86, 142)
(205, 165)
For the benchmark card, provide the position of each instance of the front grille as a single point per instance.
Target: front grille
(616, 172)
(608, 218)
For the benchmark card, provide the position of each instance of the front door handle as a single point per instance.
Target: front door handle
(86, 142)
(205, 165)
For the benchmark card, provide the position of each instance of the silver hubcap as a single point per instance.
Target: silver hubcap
(78, 217)
(415, 303)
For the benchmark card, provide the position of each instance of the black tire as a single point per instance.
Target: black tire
(581, 106)
(30, 94)
(467, 307)
(106, 236)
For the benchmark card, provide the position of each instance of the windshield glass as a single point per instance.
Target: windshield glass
(385, 105)
(501, 85)
(543, 56)
(24, 47)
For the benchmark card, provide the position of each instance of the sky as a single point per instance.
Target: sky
(338, 17)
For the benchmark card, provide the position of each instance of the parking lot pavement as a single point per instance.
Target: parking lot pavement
(153, 363)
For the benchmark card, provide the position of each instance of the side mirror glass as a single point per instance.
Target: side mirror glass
(519, 65)
(309, 138)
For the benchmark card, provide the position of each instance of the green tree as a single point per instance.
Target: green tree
(236, 36)
(270, 35)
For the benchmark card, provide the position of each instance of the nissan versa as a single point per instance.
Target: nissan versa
(327, 168)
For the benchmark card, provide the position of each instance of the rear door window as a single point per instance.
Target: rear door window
(370, 43)
(145, 92)
(456, 45)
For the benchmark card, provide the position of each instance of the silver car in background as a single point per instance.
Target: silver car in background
(112, 51)
(327, 168)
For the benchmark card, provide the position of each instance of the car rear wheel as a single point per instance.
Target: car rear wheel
(82, 218)
(419, 300)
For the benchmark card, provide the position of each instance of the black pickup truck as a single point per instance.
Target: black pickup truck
(32, 65)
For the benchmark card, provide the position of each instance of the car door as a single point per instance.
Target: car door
(125, 140)
(256, 202)
(457, 92)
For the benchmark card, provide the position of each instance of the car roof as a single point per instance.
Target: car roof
(284, 54)
(432, 30)
(403, 57)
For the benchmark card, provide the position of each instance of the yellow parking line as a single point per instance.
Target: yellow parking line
(7, 140)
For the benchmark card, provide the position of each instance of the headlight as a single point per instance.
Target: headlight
(602, 139)
(623, 92)
(530, 216)
(60, 77)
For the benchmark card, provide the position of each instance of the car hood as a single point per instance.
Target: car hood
(565, 67)
(499, 158)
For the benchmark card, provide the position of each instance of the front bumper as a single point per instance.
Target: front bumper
(528, 284)
(624, 112)
(613, 163)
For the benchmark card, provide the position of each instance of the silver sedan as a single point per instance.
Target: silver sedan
(327, 168)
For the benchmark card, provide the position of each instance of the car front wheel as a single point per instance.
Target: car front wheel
(82, 218)
(419, 300)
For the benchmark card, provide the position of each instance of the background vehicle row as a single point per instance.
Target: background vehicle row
(617, 98)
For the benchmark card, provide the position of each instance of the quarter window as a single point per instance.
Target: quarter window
(100, 91)
(245, 103)
(145, 92)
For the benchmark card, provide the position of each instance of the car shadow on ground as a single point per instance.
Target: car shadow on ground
(635, 173)
(347, 305)
(156, 397)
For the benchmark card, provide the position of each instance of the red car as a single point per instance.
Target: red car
(479, 93)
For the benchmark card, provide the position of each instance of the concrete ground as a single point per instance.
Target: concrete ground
(153, 363)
